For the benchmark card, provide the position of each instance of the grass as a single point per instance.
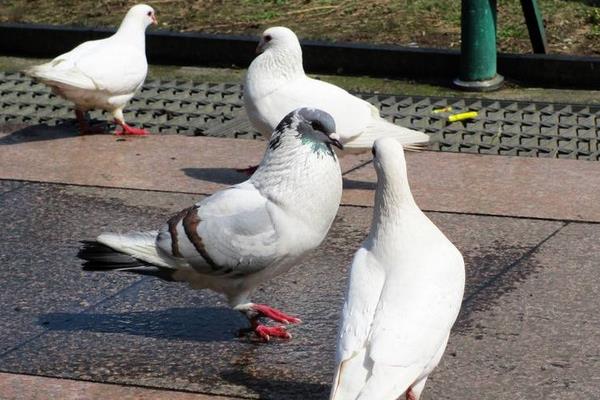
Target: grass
(572, 26)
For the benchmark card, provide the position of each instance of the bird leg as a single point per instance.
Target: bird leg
(263, 310)
(265, 332)
(247, 171)
(129, 130)
(256, 311)
(410, 395)
(84, 126)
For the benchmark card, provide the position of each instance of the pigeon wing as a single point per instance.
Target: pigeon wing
(413, 316)
(97, 65)
(230, 233)
(351, 113)
(114, 68)
(362, 298)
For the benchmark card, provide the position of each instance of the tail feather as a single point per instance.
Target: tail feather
(48, 74)
(99, 257)
(411, 139)
(134, 252)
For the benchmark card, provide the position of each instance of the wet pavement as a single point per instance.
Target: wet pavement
(529, 314)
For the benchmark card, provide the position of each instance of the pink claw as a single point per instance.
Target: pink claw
(266, 332)
(274, 314)
(130, 130)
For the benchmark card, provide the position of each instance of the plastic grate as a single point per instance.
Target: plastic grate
(514, 128)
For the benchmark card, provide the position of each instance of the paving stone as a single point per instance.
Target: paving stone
(540, 341)
(513, 186)
(41, 229)
(9, 186)
(27, 387)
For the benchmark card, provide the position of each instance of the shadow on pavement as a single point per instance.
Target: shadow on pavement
(226, 176)
(362, 185)
(42, 132)
(204, 324)
(276, 388)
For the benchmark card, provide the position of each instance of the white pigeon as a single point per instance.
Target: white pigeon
(276, 83)
(103, 73)
(249, 233)
(405, 292)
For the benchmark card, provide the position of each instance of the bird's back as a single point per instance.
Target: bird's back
(108, 65)
(404, 295)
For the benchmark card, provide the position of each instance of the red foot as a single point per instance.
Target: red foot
(410, 394)
(266, 332)
(130, 130)
(248, 171)
(265, 311)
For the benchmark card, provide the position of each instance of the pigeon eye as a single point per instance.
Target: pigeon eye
(374, 151)
(316, 125)
(149, 13)
(268, 38)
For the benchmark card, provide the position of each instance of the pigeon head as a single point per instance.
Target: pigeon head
(142, 14)
(388, 158)
(314, 127)
(278, 38)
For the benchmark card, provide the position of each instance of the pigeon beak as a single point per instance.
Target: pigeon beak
(260, 47)
(154, 20)
(335, 140)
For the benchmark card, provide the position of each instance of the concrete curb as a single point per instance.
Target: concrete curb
(190, 48)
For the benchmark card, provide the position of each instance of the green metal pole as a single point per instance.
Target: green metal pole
(478, 46)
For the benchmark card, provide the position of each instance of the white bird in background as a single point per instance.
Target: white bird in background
(276, 84)
(405, 291)
(249, 233)
(103, 73)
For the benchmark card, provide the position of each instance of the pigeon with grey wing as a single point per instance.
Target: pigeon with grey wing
(276, 83)
(405, 292)
(103, 73)
(249, 233)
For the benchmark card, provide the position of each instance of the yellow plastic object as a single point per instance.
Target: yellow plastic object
(442, 110)
(462, 116)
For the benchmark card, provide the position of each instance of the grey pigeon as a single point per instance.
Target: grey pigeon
(244, 235)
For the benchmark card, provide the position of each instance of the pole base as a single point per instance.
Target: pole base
(480, 86)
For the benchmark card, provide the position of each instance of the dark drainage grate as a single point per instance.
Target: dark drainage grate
(183, 107)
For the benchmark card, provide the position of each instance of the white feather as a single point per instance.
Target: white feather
(405, 291)
(102, 73)
(276, 84)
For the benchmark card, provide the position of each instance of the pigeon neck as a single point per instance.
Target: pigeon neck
(275, 66)
(288, 173)
(133, 31)
(394, 202)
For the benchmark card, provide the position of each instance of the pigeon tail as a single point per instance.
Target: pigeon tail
(100, 257)
(378, 384)
(409, 138)
(129, 249)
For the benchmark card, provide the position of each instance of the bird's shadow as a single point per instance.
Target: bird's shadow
(226, 176)
(362, 185)
(269, 388)
(41, 132)
(204, 324)
(229, 176)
